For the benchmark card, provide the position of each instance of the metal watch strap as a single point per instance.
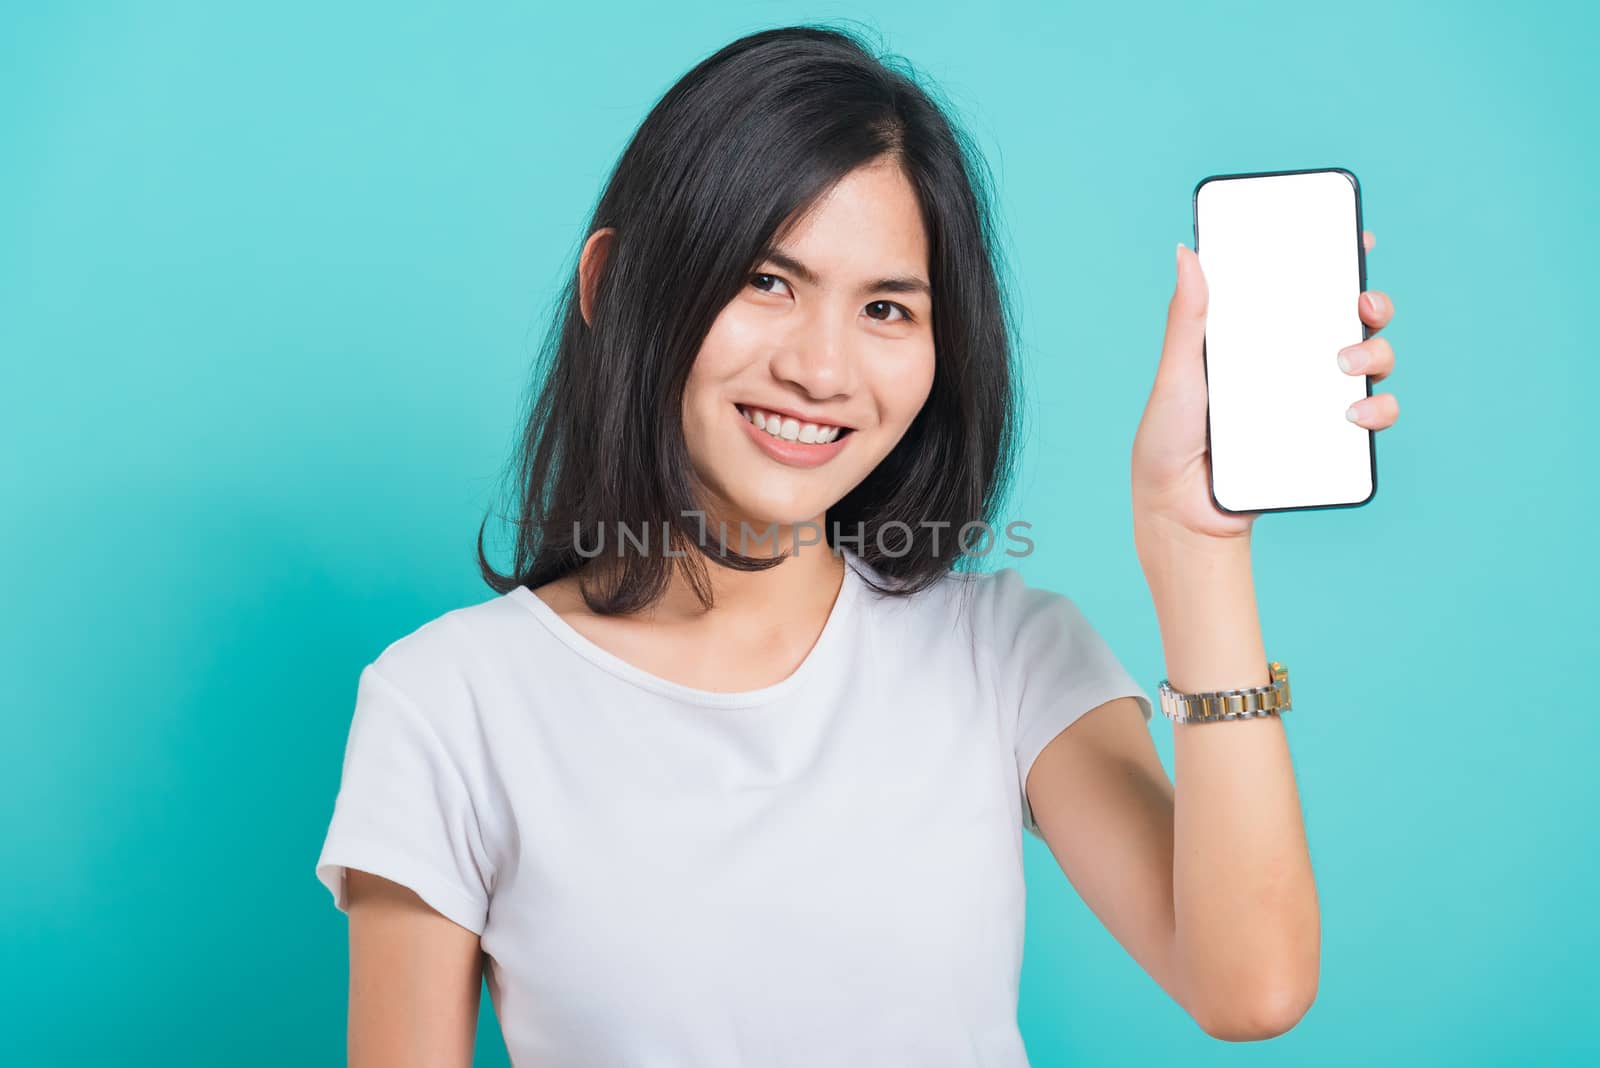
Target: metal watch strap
(1214, 705)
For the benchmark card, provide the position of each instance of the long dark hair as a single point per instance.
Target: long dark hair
(724, 164)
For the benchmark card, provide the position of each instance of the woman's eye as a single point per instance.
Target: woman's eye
(772, 279)
(766, 283)
(905, 316)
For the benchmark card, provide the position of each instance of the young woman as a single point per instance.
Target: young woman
(734, 768)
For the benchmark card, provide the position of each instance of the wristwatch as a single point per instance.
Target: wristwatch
(1214, 705)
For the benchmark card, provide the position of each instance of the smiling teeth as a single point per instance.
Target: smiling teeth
(790, 429)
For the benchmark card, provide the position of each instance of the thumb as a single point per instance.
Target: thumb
(1183, 347)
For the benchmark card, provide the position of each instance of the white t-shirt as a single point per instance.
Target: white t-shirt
(825, 871)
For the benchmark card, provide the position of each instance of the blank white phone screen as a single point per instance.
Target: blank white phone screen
(1282, 260)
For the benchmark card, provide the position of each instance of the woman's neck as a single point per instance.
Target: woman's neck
(802, 587)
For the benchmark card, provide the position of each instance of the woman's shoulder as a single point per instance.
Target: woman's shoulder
(451, 664)
(975, 596)
(993, 602)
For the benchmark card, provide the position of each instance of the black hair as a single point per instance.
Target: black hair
(724, 164)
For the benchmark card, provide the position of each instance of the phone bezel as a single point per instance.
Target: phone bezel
(1366, 332)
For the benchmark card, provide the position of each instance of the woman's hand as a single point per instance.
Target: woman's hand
(1171, 468)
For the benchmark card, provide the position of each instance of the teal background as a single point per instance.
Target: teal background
(270, 282)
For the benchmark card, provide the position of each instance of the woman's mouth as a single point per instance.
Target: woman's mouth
(791, 441)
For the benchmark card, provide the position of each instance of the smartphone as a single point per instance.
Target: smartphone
(1285, 266)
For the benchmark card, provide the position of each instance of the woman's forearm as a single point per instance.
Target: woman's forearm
(1247, 923)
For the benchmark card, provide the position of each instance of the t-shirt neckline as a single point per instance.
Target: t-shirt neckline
(821, 650)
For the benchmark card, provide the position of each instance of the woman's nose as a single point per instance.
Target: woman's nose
(818, 359)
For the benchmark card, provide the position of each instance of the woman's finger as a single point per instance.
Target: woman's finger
(1375, 412)
(1373, 357)
(1376, 309)
(1368, 239)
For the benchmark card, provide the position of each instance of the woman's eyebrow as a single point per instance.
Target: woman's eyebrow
(897, 284)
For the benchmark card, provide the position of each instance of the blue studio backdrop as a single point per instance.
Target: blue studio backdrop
(271, 278)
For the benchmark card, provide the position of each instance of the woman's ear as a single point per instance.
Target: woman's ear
(590, 266)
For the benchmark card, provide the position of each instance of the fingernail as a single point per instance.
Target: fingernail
(1372, 303)
(1353, 413)
(1352, 359)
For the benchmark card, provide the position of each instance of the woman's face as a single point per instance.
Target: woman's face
(836, 330)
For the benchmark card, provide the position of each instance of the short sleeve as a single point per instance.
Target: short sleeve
(403, 810)
(1052, 666)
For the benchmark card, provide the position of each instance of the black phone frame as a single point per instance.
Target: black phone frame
(1366, 332)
